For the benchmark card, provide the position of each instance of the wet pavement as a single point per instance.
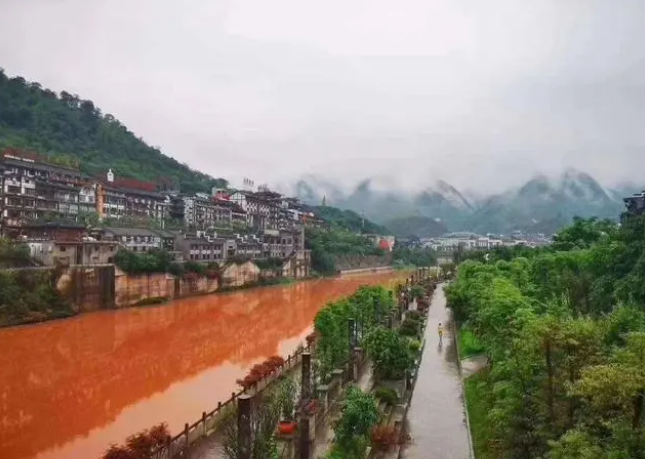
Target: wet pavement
(436, 418)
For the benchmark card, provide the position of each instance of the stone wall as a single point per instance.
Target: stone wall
(201, 286)
(351, 262)
(298, 266)
(87, 288)
(131, 289)
(234, 275)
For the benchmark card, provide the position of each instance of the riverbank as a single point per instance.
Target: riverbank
(379, 269)
(80, 384)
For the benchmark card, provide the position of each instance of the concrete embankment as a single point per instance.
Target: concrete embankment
(378, 269)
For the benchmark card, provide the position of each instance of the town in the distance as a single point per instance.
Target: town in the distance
(70, 218)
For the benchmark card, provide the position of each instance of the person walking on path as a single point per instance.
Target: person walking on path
(440, 331)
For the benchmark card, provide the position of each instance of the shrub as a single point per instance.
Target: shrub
(387, 395)
(359, 416)
(410, 328)
(384, 437)
(414, 346)
(415, 316)
(389, 352)
(417, 292)
(469, 344)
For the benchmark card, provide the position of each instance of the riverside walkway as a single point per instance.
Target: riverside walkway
(436, 418)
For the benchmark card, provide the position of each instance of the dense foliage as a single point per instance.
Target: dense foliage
(366, 306)
(390, 352)
(565, 333)
(30, 296)
(413, 256)
(349, 220)
(73, 132)
(360, 415)
(416, 226)
(325, 245)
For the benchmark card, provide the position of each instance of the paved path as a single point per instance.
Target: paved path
(436, 417)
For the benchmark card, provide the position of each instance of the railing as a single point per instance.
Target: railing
(179, 445)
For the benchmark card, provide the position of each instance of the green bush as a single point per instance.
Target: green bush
(360, 415)
(389, 353)
(366, 306)
(469, 344)
(414, 346)
(387, 395)
(410, 327)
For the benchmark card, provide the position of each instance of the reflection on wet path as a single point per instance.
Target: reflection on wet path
(70, 388)
(436, 416)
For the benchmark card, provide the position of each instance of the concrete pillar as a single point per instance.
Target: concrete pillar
(306, 376)
(244, 426)
(305, 443)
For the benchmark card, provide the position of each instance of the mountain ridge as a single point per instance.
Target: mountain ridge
(543, 202)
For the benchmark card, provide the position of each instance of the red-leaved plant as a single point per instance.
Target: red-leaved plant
(384, 437)
(140, 445)
(260, 371)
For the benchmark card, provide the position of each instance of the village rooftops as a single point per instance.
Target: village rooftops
(132, 232)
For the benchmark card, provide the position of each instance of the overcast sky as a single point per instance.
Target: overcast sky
(479, 93)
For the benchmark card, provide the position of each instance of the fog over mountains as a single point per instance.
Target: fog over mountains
(542, 204)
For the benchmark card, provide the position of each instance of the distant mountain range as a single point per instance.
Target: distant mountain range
(543, 204)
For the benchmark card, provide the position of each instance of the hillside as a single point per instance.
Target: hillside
(417, 225)
(349, 220)
(73, 131)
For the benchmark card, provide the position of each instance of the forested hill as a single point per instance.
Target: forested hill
(349, 220)
(73, 131)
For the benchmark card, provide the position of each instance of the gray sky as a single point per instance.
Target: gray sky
(479, 93)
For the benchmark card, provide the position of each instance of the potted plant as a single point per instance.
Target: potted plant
(287, 399)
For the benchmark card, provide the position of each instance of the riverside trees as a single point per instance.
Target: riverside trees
(565, 333)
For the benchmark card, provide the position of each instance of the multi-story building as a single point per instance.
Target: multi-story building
(131, 198)
(635, 205)
(135, 239)
(250, 247)
(258, 210)
(33, 189)
(202, 249)
(202, 212)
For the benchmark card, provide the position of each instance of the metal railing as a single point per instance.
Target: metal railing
(179, 445)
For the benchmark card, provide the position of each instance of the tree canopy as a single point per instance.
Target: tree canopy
(74, 132)
(564, 329)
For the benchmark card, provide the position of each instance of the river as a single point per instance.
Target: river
(70, 388)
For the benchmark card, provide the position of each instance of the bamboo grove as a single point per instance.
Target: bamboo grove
(564, 331)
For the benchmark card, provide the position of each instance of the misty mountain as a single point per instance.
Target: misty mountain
(542, 204)
(417, 225)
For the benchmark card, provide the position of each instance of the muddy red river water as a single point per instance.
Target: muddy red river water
(70, 388)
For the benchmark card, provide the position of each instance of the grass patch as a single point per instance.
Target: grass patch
(478, 410)
(469, 345)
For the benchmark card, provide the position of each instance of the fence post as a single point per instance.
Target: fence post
(203, 423)
(186, 444)
(306, 376)
(244, 426)
(305, 444)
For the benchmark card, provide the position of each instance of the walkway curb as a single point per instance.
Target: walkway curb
(463, 389)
